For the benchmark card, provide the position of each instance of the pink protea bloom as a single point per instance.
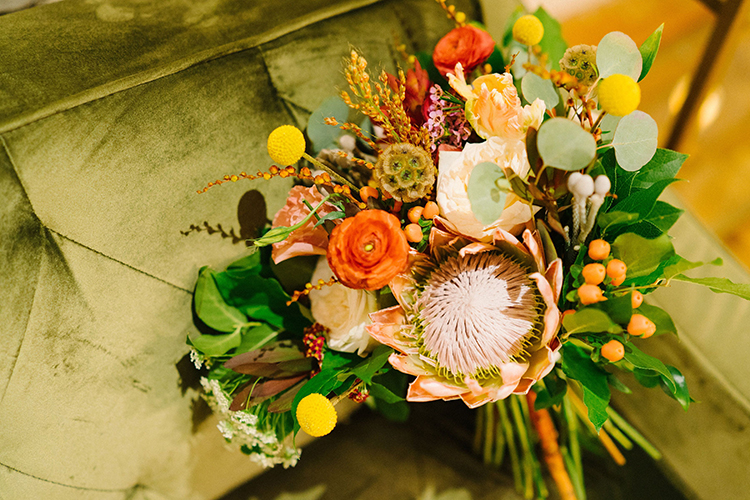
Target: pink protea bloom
(475, 321)
(307, 240)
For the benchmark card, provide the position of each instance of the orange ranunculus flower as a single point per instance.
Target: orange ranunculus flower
(366, 251)
(467, 45)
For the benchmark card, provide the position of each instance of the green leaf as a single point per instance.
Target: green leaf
(565, 145)
(552, 43)
(217, 345)
(719, 285)
(680, 265)
(665, 164)
(635, 140)
(256, 337)
(643, 201)
(663, 216)
(535, 87)
(487, 190)
(649, 49)
(593, 379)
(396, 382)
(660, 317)
(589, 320)
(278, 234)
(647, 378)
(330, 216)
(553, 393)
(617, 53)
(211, 307)
(384, 394)
(245, 266)
(372, 364)
(618, 309)
(680, 393)
(641, 255)
(643, 361)
(615, 218)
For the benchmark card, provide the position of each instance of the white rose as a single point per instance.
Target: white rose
(344, 311)
(454, 170)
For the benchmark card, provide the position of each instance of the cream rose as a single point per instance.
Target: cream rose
(454, 170)
(344, 311)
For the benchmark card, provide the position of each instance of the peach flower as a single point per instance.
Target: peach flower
(454, 171)
(493, 107)
(366, 251)
(475, 321)
(307, 240)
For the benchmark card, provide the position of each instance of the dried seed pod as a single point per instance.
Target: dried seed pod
(405, 171)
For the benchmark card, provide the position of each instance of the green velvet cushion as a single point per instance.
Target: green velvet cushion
(112, 115)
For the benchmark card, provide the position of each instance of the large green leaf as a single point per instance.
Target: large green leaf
(643, 361)
(211, 307)
(679, 265)
(593, 379)
(648, 50)
(384, 394)
(719, 285)
(217, 345)
(487, 190)
(256, 337)
(535, 87)
(326, 381)
(619, 309)
(565, 145)
(641, 255)
(635, 140)
(617, 53)
(680, 392)
(589, 320)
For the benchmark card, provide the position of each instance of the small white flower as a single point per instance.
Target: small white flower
(196, 358)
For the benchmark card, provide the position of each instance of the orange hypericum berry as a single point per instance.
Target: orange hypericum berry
(590, 294)
(431, 209)
(415, 213)
(636, 299)
(397, 206)
(599, 250)
(368, 192)
(594, 273)
(613, 351)
(413, 233)
(617, 281)
(616, 269)
(641, 325)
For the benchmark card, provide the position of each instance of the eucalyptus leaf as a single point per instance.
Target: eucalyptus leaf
(648, 50)
(608, 127)
(322, 135)
(635, 140)
(487, 190)
(565, 145)
(617, 53)
(535, 87)
(641, 255)
(719, 285)
(211, 307)
(590, 320)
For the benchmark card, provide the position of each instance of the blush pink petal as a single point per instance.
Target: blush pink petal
(554, 276)
(475, 248)
(307, 240)
(407, 364)
(426, 388)
(534, 244)
(552, 314)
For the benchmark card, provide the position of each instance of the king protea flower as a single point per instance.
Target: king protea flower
(475, 321)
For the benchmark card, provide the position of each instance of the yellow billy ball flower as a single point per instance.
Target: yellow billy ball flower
(316, 415)
(528, 30)
(286, 145)
(619, 95)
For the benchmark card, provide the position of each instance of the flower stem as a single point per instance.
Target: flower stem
(515, 461)
(330, 171)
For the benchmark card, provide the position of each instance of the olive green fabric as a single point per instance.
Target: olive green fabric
(112, 115)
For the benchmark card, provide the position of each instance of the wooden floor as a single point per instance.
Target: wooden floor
(717, 175)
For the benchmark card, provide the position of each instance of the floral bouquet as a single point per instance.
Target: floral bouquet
(482, 227)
